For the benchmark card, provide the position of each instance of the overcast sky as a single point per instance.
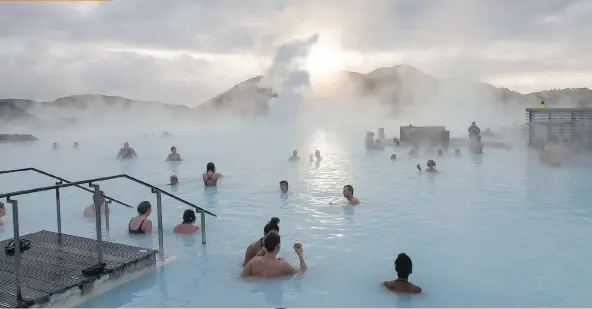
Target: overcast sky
(185, 51)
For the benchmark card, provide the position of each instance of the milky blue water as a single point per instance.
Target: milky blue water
(497, 231)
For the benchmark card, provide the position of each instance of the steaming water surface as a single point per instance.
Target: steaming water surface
(495, 231)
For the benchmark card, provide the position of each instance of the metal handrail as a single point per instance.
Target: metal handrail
(97, 205)
(75, 183)
(62, 180)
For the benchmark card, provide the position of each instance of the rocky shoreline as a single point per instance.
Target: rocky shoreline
(16, 138)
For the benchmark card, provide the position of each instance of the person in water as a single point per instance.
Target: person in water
(174, 180)
(2, 213)
(294, 156)
(76, 145)
(188, 223)
(140, 224)
(475, 145)
(318, 155)
(210, 177)
(257, 246)
(348, 193)
(457, 152)
(268, 266)
(404, 268)
(431, 166)
(90, 210)
(474, 130)
(126, 152)
(55, 146)
(174, 155)
(284, 186)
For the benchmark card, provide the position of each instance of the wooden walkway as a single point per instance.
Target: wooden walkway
(51, 267)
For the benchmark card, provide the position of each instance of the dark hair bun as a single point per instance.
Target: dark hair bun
(274, 220)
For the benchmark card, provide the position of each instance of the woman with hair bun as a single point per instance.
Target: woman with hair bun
(258, 245)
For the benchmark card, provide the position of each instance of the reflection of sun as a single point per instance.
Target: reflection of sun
(324, 59)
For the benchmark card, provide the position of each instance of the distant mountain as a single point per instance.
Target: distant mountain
(398, 86)
(15, 111)
(248, 97)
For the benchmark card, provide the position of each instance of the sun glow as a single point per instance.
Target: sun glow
(324, 59)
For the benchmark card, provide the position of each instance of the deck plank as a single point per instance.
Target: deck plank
(53, 264)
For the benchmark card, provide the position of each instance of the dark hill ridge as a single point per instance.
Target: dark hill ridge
(396, 86)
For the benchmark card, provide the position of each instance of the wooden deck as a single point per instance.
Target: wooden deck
(51, 267)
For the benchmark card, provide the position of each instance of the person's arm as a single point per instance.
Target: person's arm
(119, 153)
(147, 227)
(289, 270)
(134, 153)
(246, 271)
(249, 254)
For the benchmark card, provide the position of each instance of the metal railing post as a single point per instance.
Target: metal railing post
(59, 211)
(160, 227)
(107, 213)
(203, 227)
(17, 249)
(97, 200)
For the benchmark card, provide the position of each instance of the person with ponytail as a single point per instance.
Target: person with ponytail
(258, 246)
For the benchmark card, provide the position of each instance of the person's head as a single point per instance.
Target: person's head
(397, 143)
(272, 225)
(457, 151)
(284, 186)
(348, 191)
(431, 163)
(403, 266)
(173, 149)
(211, 167)
(188, 216)
(295, 153)
(144, 208)
(393, 157)
(272, 242)
(55, 144)
(2, 210)
(473, 123)
(317, 153)
(126, 145)
(174, 180)
(439, 152)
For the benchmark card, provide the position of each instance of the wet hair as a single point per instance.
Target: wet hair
(272, 225)
(393, 156)
(188, 216)
(431, 163)
(403, 266)
(284, 182)
(349, 188)
(143, 207)
(211, 167)
(272, 240)
(173, 148)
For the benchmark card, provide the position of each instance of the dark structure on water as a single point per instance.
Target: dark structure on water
(432, 136)
(571, 125)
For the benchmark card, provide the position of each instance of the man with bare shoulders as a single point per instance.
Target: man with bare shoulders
(348, 193)
(403, 267)
(126, 152)
(269, 266)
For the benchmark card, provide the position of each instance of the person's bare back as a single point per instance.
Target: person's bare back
(402, 286)
(268, 267)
